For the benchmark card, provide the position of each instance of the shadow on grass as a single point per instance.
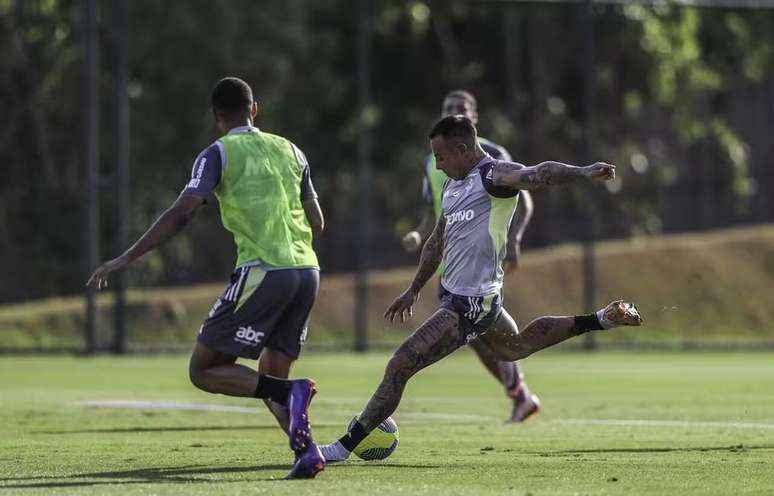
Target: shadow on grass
(174, 475)
(164, 475)
(698, 449)
(124, 430)
(358, 465)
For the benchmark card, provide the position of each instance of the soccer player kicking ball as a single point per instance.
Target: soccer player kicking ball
(267, 201)
(478, 202)
(509, 374)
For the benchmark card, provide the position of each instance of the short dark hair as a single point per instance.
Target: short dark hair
(457, 127)
(465, 95)
(231, 94)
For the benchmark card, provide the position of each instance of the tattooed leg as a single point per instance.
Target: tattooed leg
(510, 344)
(435, 339)
(548, 331)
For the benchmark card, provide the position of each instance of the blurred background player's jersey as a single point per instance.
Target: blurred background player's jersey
(260, 180)
(433, 180)
(478, 215)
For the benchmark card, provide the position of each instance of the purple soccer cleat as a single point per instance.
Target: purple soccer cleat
(299, 430)
(308, 463)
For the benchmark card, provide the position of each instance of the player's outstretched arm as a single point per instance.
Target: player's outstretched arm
(547, 174)
(432, 253)
(167, 225)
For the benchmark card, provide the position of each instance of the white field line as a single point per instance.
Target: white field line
(166, 405)
(258, 409)
(712, 424)
(415, 417)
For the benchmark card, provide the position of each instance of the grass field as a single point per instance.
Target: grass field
(613, 423)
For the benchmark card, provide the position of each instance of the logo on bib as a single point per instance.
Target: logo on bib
(462, 215)
(249, 336)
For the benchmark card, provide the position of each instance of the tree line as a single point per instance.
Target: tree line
(682, 102)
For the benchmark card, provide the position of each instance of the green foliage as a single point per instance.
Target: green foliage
(683, 87)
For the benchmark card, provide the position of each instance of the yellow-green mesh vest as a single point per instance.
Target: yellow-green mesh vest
(260, 201)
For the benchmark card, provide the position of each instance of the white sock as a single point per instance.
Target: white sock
(335, 452)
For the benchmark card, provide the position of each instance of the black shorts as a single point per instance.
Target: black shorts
(477, 313)
(262, 309)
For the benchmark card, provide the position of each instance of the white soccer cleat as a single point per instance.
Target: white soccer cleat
(335, 452)
(619, 313)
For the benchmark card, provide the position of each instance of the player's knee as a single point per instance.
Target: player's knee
(196, 376)
(395, 363)
(399, 366)
(508, 355)
(515, 351)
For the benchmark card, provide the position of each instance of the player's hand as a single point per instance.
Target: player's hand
(411, 241)
(512, 256)
(99, 279)
(403, 304)
(601, 170)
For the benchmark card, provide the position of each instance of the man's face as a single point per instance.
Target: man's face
(455, 105)
(449, 156)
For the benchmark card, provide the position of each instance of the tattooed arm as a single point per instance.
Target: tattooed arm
(547, 173)
(432, 253)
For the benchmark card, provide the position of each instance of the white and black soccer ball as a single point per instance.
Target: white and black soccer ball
(380, 442)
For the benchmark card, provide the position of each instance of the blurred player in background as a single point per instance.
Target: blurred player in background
(460, 102)
(478, 202)
(267, 201)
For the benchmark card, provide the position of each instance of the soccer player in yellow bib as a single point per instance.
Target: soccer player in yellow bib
(509, 374)
(267, 201)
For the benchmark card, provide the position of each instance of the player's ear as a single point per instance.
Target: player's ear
(217, 116)
(253, 109)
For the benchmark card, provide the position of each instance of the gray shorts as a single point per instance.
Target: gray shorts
(477, 313)
(262, 309)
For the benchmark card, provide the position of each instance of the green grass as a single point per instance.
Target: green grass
(453, 440)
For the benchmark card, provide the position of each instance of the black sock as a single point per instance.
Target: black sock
(351, 439)
(272, 388)
(586, 323)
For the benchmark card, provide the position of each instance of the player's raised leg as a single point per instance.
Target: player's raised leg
(509, 374)
(543, 332)
(436, 338)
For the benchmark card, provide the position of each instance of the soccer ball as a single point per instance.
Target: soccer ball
(380, 443)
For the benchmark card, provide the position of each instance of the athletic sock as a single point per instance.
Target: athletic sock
(590, 322)
(272, 388)
(334, 452)
(511, 377)
(352, 438)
